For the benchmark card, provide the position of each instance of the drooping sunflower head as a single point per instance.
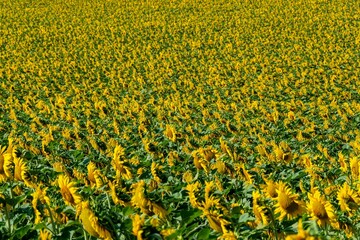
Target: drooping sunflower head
(354, 166)
(348, 198)
(20, 171)
(320, 209)
(269, 189)
(170, 132)
(45, 234)
(90, 221)
(68, 190)
(301, 235)
(288, 204)
(137, 223)
(259, 211)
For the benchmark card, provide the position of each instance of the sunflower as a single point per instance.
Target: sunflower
(2, 164)
(320, 209)
(354, 166)
(118, 163)
(20, 170)
(270, 189)
(154, 167)
(215, 220)
(193, 188)
(167, 232)
(44, 234)
(170, 132)
(94, 176)
(137, 223)
(348, 199)
(7, 165)
(122, 171)
(39, 196)
(138, 198)
(301, 235)
(228, 235)
(259, 211)
(114, 196)
(158, 210)
(90, 221)
(288, 204)
(68, 190)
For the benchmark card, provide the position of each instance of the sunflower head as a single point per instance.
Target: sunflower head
(288, 204)
(90, 221)
(259, 211)
(320, 210)
(348, 199)
(270, 189)
(68, 190)
(301, 235)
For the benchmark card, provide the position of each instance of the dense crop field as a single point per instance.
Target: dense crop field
(179, 119)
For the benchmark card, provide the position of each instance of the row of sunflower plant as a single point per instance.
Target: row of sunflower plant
(179, 119)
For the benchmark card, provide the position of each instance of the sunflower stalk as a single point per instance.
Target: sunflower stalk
(274, 228)
(85, 235)
(8, 220)
(54, 226)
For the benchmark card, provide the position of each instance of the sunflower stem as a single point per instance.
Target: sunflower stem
(108, 200)
(52, 220)
(7, 212)
(85, 235)
(273, 223)
(8, 219)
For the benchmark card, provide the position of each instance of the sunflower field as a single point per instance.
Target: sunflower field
(179, 119)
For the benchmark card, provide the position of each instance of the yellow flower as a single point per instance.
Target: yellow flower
(259, 211)
(2, 163)
(301, 235)
(244, 173)
(170, 132)
(192, 189)
(122, 171)
(187, 176)
(94, 176)
(354, 166)
(114, 195)
(158, 210)
(199, 160)
(287, 204)
(220, 166)
(348, 198)
(215, 220)
(8, 161)
(68, 190)
(343, 165)
(154, 167)
(39, 196)
(320, 210)
(90, 222)
(138, 196)
(59, 167)
(45, 235)
(167, 232)
(20, 171)
(137, 223)
(270, 189)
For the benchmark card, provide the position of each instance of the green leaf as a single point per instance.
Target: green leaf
(127, 211)
(20, 232)
(204, 234)
(244, 218)
(16, 200)
(188, 216)
(155, 236)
